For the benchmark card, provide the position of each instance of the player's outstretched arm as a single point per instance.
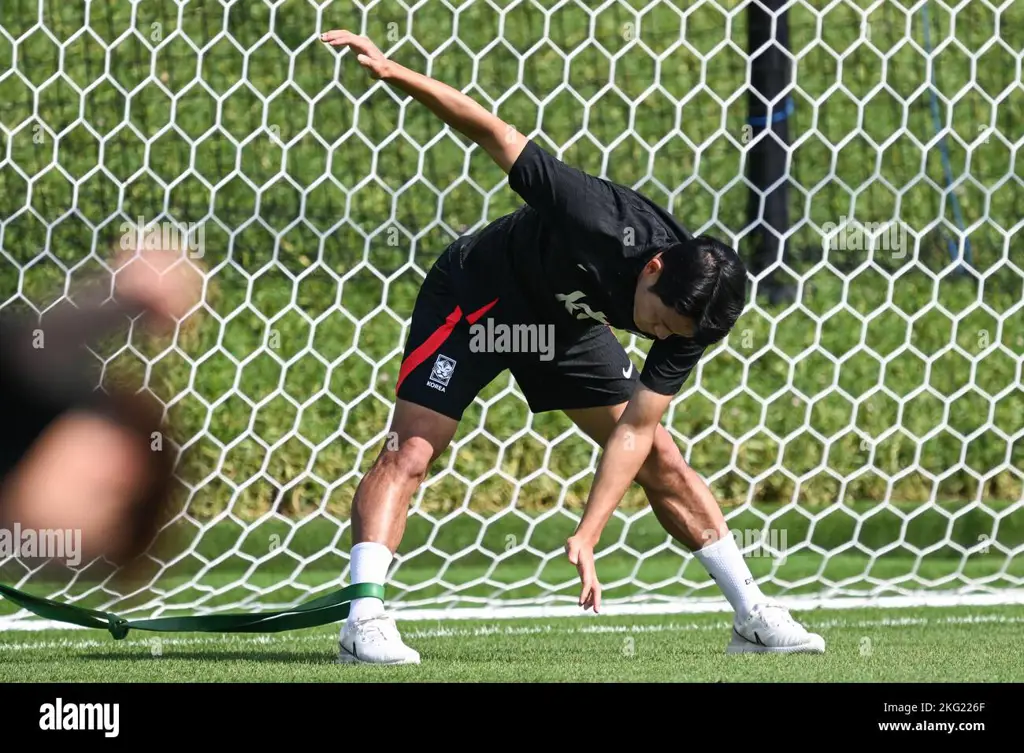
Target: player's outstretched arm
(624, 455)
(500, 140)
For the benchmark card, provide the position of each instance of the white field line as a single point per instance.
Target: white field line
(498, 629)
(803, 604)
(704, 606)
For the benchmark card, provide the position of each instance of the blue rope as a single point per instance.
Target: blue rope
(947, 166)
(762, 120)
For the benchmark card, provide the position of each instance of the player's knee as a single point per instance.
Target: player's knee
(409, 459)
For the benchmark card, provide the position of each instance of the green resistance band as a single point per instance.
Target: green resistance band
(320, 611)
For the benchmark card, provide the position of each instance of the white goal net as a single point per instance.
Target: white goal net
(862, 428)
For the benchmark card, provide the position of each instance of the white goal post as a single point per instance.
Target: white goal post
(863, 426)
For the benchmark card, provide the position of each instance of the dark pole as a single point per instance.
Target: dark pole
(769, 106)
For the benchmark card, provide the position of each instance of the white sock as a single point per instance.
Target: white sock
(370, 563)
(724, 563)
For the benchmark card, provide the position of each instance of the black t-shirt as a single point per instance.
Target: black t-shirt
(575, 252)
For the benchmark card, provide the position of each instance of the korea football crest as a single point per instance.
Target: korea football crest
(441, 374)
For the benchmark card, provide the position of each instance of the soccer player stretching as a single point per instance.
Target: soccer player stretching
(582, 256)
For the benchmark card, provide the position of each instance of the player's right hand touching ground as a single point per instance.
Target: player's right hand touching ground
(581, 554)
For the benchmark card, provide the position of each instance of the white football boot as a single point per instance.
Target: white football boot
(770, 629)
(374, 640)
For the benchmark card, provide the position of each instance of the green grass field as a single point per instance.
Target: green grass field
(898, 645)
(864, 645)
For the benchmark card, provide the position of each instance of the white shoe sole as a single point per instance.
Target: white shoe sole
(740, 645)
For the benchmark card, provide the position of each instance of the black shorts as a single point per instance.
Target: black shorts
(464, 334)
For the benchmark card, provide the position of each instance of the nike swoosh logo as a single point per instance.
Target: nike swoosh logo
(627, 372)
(756, 642)
(354, 653)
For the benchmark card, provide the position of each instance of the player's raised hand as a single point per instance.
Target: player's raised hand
(366, 51)
(581, 554)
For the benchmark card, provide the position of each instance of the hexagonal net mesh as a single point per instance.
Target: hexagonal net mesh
(862, 428)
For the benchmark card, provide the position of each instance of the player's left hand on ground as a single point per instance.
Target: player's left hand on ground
(366, 51)
(581, 554)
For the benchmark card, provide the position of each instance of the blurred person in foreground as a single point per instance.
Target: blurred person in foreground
(74, 457)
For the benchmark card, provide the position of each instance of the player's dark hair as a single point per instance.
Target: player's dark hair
(705, 280)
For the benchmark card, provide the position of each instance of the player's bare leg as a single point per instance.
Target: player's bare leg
(687, 510)
(379, 510)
